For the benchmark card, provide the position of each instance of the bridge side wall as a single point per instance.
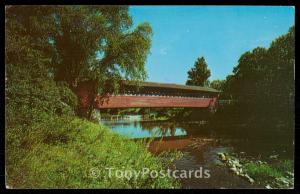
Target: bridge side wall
(154, 101)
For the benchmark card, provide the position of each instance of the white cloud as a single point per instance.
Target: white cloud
(163, 51)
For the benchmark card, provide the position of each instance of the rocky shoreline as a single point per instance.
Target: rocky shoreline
(266, 175)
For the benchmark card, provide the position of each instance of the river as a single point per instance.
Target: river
(183, 136)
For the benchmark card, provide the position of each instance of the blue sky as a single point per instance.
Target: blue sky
(221, 34)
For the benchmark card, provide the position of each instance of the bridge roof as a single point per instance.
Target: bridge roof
(173, 86)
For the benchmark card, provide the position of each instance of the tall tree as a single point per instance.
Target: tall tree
(94, 46)
(217, 84)
(30, 91)
(263, 81)
(199, 74)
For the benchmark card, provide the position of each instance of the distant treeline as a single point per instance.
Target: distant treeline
(263, 85)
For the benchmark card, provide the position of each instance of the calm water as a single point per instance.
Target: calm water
(181, 136)
(235, 136)
(146, 129)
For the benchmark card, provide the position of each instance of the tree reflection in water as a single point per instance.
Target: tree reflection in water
(145, 129)
(174, 128)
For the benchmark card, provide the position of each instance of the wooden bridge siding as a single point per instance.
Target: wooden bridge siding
(155, 101)
(165, 91)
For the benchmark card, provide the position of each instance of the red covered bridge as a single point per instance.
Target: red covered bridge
(151, 94)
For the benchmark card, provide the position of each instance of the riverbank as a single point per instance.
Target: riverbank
(67, 152)
(228, 168)
(273, 173)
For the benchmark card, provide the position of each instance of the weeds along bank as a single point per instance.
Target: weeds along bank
(66, 152)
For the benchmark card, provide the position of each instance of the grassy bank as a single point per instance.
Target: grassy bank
(275, 175)
(271, 173)
(67, 152)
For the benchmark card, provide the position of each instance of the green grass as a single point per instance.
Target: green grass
(266, 172)
(261, 171)
(285, 165)
(60, 153)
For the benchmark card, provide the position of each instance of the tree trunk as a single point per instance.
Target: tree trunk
(86, 93)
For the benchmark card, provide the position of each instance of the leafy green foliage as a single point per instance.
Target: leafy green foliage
(97, 44)
(74, 35)
(263, 82)
(217, 84)
(29, 87)
(199, 74)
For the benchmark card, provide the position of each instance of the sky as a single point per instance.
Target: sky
(221, 34)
